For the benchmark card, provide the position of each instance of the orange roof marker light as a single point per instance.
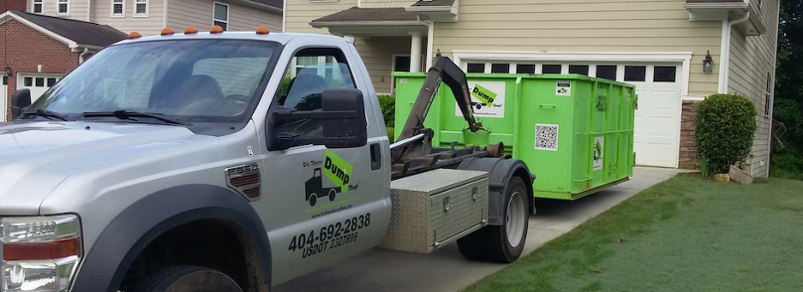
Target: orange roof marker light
(216, 29)
(190, 30)
(167, 31)
(134, 35)
(262, 30)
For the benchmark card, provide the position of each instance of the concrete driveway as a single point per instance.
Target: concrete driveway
(446, 269)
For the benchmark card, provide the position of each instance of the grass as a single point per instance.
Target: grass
(685, 234)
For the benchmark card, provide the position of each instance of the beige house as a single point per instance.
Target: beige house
(677, 52)
(149, 17)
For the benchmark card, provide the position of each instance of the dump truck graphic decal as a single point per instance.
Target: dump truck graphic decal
(314, 189)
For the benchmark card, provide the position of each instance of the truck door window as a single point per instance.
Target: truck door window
(310, 72)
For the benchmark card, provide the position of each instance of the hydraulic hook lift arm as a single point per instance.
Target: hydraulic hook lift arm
(446, 71)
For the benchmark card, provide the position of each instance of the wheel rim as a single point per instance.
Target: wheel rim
(515, 219)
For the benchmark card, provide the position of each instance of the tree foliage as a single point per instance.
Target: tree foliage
(788, 105)
(727, 118)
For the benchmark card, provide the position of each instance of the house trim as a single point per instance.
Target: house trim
(147, 9)
(228, 14)
(111, 10)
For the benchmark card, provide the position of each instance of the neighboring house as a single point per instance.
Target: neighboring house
(149, 17)
(38, 50)
(660, 46)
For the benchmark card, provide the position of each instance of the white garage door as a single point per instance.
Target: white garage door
(657, 133)
(37, 83)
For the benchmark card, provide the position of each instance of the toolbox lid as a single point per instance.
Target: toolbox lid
(438, 180)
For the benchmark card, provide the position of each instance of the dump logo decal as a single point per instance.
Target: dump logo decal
(487, 99)
(483, 94)
(337, 170)
(599, 142)
(563, 88)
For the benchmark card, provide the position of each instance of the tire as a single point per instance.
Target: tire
(332, 195)
(313, 199)
(505, 243)
(471, 246)
(188, 279)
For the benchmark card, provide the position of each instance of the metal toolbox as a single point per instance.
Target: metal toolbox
(433, 209)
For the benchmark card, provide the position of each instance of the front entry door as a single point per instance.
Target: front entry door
(322, 203)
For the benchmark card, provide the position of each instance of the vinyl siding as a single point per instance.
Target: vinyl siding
(301, 12)
(585, 26)
(77, 9)
(751, 59)
(150, 25)
(198, 13)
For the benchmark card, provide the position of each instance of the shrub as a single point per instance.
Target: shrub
(726, 125)
(388, 105)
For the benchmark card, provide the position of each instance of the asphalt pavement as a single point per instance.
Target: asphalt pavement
(446, 269)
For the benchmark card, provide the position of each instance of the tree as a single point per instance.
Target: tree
(788, 105)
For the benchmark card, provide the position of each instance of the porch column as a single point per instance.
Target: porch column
(415, 52)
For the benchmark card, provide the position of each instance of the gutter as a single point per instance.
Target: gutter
(725, 50)
(366, 23)
(81, 56)
(717, 6)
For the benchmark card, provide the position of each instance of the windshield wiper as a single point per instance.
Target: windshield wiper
(129, 114)
(46, 113)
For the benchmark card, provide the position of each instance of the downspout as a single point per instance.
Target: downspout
(772, 93)
(284, 15)
(81, 57)
(164, 14)
(88, 10)
(725, 51)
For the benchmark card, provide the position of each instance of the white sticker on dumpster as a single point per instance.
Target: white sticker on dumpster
(599, 143)
(563, 88)
(487, 99)
(546, 137)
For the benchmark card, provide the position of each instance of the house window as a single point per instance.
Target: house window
(636, 73)
(664, 74)
(476, 68)
(118, 7)
(221, 16)
(64, 6)
(38, 6)
(606, 72)
(578, 69)
(500, 68)
(525, 68)
(768, 96)
(140, 7)
(551, 69)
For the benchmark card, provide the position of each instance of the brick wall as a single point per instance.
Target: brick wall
(18, 5)
(688, 146)
(23, 49)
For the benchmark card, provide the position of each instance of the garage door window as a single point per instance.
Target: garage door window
(525, 68)
(476, 68)
(40, 82)
(551, 69)
(636, 73)
(606, 72)
(578, 69)
(28, 81)
(500, 68)
(664, 74)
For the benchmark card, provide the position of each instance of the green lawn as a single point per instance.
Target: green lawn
(685, 234)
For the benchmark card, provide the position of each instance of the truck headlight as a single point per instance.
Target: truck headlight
(39, 254)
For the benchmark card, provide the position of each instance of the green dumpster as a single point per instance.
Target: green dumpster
(574, 132)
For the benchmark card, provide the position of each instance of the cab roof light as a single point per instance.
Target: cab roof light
(167, 31)
(134, 35)
(216, 29)
(262, 30)
(190, 30)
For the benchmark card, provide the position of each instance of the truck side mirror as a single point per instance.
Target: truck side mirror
(20, 99)
(339, 123)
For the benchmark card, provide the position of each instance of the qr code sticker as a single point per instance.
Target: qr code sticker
(546, 137)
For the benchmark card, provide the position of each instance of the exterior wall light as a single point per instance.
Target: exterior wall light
(708, 63)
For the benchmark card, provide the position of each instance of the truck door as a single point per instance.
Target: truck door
(321, 205)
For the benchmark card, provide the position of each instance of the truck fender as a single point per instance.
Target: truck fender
(500, 171)
(106, 263)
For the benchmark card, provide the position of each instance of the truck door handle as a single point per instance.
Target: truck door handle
(376, 157)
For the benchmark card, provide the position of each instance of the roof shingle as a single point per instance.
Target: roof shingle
(356, 14)
(274, 3)
(81, 32)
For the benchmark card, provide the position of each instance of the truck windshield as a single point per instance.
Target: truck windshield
(187, 80)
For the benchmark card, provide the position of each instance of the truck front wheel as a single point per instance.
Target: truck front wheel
(189, 279)
(503, 243)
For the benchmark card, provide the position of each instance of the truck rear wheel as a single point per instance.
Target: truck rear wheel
(189, 279)
(503, 243)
